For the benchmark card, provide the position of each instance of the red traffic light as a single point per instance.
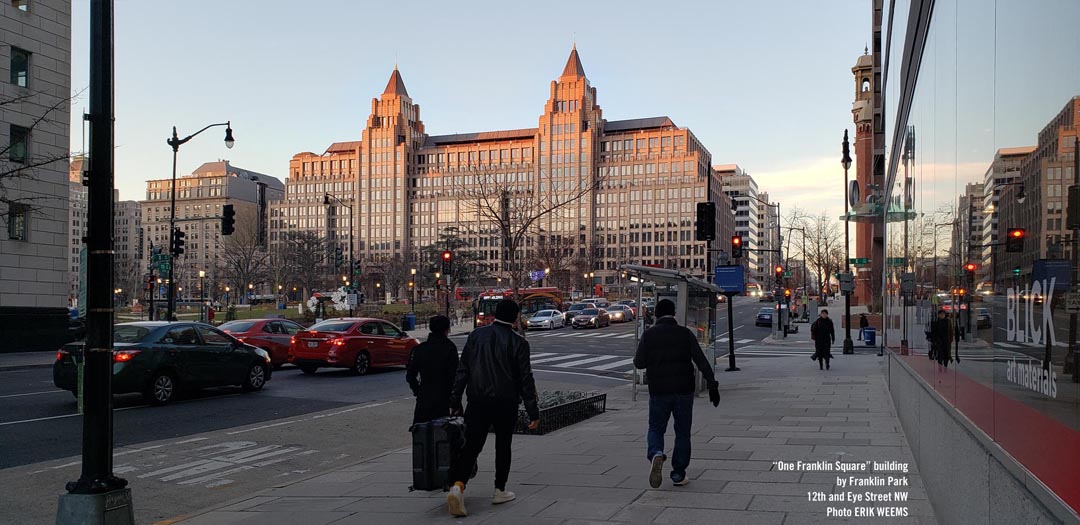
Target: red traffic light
(779, 269)
(1016, 233)
(446, 256)
(736, 240)
(970, 267)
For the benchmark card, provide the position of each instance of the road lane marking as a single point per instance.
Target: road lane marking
(34, 393)
(569, 373)
(60, 417)
(744, 341)
(558, 358)
(605, 335)
(541, 354)
(625, 335)
(616, 364)
(572, 364)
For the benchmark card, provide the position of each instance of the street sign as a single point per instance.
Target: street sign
(730, 279)
(898, 261)
(1072, 302)
(352, 299)
(847, 282)
(787, 274)
(907, 282)
(163, 267)
(859, 260)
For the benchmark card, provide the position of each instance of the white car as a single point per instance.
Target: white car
(549, 319)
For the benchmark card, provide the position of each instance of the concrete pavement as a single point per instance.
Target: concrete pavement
(25, 360)
(773, 414)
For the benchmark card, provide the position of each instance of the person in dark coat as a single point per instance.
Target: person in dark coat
(668, 353)
(435, 361)
(496, 372)
(941, 338)
(864, 323)
(824, 335)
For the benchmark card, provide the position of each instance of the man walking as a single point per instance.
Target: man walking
(668, 353)
(496, 373)
(824, 335)
(864, 323)
(941, 336)
(435, 361)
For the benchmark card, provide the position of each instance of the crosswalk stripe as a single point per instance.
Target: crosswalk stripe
(541, 354)
(585, 361)
(605, 335)
(723, 340)
(624, 335)
(1007, 345)
(616, 364)
(558, 358)
(744, 341)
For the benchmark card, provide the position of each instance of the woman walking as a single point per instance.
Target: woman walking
(824, 335)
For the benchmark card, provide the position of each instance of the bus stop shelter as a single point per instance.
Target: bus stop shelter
(692, 297)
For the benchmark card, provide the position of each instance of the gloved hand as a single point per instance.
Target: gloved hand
(456, 408)
(714, 395)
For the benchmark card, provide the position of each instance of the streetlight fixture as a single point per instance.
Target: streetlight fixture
(175, 142)
(202, 297)
(412, 287)
(845, 161)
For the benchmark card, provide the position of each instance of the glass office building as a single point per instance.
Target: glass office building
(982, 101)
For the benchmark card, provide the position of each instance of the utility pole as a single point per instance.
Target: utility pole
(845, 161)
(99, 496)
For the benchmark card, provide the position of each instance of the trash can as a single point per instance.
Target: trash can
(870, 335)
(408, 322)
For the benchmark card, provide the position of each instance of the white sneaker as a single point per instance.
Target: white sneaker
(456, 502)
(502, 496)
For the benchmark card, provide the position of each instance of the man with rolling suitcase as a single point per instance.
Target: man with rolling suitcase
(496, 372)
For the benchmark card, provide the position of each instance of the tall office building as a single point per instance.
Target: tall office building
(1004, 170)
(742, 189)
(397, 188)
(200, 197)
(35, 82)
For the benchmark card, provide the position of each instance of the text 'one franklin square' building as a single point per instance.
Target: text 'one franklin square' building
(617, 191)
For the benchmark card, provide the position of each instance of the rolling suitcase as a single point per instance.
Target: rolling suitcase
(436, 445)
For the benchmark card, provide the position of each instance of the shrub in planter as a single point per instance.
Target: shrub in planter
(559, 409)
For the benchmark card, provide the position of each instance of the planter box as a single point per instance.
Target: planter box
(580, 407)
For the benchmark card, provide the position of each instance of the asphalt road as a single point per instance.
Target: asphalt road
(215, 445)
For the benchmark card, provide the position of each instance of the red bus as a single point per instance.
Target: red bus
(531, 300)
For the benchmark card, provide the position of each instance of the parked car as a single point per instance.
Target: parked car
(272, 335)
(158, 358)
(620, 313)
(573, 311)
(356, 343)
(982, 319)
(594, 317)
(549, 319)
(764, 317)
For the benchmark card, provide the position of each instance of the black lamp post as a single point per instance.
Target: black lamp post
(845, 161)
(175, 142)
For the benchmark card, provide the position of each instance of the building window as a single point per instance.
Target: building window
(20, 67)
(17, 147)
(18, 215)
(21, 5)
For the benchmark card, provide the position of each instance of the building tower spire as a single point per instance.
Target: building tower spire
(395, 86)
(573, 67)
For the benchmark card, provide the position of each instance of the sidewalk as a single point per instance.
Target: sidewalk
(24, 360)
(780, 409)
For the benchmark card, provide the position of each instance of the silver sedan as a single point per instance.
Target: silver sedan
(549, 319)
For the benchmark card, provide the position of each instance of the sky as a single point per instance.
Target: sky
(766, 85)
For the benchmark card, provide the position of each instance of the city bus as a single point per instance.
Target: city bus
(532, 300)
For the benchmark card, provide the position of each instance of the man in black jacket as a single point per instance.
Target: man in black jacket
(436, 362)
(496, 372)
(668, 353)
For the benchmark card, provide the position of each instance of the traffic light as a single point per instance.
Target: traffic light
(356, 268)
(447, 262)
(1014, 240)
(338, 258)
(779, 270)
(705, 226)
(970, 267)
(1016, 272)
(228, 219)
(177, 244)
(736, 247)
(787, 293)
(438, 284)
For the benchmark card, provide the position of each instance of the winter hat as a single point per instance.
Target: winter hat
(439, 324)
(664, 308)
(507, 311)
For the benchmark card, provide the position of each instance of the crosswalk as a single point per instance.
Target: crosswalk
(591, 362)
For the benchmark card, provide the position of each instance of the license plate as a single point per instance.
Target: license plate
(313, 344)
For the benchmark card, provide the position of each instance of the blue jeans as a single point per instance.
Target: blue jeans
(661, 408)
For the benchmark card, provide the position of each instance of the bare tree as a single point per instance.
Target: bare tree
(244, 258)
(306, 254)
(395, 274)
(823, 239)
(19, 162)
(555, 253)
(516, 209)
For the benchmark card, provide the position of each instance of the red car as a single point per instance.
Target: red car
(354, 343)
(272, 335)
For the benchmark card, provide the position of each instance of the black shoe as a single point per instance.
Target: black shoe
(656, 473)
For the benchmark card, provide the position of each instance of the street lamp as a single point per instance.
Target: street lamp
(175, 142)
(845, 161)
(202, 296)
(412, 287)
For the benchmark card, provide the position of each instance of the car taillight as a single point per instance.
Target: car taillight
(61, 354)
(338, 342)
(292, 340)
(123, 356)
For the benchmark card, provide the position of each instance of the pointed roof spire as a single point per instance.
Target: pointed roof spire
(395, 86)
(573, 67)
